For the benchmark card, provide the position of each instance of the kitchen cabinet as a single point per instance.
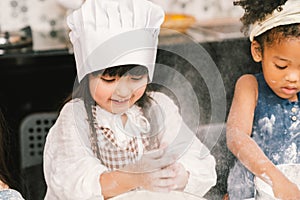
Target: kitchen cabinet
(30, 83)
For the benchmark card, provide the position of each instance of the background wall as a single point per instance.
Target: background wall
(202, 9)
(47, 15)
(39, 14)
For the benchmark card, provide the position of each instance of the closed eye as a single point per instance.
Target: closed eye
(280, 67)
(137, 78)
(108, 80)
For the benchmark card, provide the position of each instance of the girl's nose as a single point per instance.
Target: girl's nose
(293, 76)
(123, 88)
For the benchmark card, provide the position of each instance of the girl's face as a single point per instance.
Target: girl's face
(116, 94)
(281, 67)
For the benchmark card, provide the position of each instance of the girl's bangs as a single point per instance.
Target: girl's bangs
(122, 70)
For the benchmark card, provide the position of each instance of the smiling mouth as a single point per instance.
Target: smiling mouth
(121, 101)
(289, 90)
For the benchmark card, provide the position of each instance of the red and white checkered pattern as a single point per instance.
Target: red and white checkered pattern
(111, 154)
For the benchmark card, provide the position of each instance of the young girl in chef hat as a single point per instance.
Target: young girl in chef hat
(263, 123)
(98, 144)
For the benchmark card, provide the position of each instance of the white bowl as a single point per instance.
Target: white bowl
(147, 195)
(263, 191)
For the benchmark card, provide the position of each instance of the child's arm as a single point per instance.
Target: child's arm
(194, 156)
(239, 127)
(117, 182)
(200, 164)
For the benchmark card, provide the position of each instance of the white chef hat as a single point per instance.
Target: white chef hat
(107, 33)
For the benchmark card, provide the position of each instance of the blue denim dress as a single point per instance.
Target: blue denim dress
(276, 129)
(10, 194)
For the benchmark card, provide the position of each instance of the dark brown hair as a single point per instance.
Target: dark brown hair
(4, 172)
(82, 90)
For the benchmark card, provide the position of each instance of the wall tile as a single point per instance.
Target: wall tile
(202, 9)
(41, 15)
(47, 15)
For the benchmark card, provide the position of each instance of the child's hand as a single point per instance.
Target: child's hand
(286, 190)
(181, 177)
(173, 177)
(150, 161)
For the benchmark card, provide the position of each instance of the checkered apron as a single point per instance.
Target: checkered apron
(110, 153)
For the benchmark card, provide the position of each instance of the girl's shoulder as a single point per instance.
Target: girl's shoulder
(72, 104)
(72, 107)
(246, 87)
(248, 79)
(247, 83)
(166, 102)
(161, 98)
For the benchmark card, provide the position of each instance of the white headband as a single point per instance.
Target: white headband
(290, 14)
(107, 33)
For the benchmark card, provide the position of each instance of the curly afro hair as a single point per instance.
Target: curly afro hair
(256, 11)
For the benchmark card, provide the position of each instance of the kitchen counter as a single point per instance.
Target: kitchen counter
(35, 81)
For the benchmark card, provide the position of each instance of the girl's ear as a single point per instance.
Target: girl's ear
(256, 51)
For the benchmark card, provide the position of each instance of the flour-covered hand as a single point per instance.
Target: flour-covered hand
(181, 177)
(150, 161)
(173, 177)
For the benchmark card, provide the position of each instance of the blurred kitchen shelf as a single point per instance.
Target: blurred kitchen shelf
(216, 30)
(177, 22)
(51, 40)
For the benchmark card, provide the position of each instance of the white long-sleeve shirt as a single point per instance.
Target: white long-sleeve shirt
(73, 172)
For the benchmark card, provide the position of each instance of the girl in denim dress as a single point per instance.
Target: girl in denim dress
(264, 121)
